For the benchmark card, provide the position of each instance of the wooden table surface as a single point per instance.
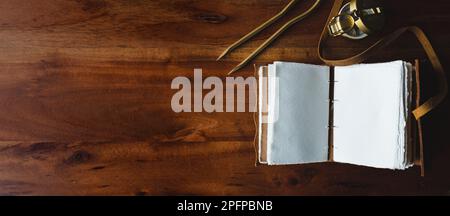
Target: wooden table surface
(85, 99)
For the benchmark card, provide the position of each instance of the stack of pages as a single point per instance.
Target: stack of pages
(355, 114)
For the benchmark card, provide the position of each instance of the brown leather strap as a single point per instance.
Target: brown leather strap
(431, 103)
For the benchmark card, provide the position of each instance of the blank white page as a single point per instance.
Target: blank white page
(298, 104)
(370, 115)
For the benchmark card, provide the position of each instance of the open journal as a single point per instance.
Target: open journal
(355, 114)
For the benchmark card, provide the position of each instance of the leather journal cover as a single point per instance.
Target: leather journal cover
(413, 129)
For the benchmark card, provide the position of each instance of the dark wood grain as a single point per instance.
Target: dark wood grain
(85, 100)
